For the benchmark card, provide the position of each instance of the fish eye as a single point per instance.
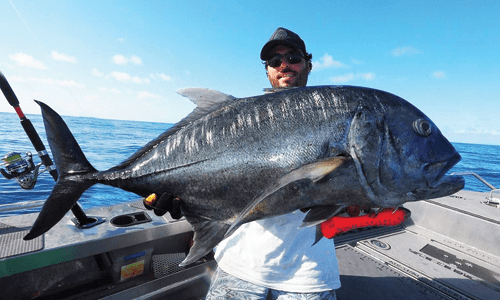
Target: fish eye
(422, 127)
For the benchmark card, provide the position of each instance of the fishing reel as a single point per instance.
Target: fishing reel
(21, 168)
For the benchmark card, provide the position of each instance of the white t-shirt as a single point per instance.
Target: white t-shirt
(275, 253)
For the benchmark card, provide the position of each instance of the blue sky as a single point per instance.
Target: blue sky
(126, 59)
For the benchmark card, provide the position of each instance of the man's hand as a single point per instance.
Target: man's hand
(166, 203)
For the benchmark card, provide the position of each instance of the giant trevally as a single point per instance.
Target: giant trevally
(234, 160)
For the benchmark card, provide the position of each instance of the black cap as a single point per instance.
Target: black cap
(282, 36)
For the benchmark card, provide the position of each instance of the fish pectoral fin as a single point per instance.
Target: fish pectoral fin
(314, 171)
(207, 234)
(319, 214)
(319, 169)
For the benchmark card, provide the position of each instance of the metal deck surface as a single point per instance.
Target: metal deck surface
(449, 249)
(64, 242)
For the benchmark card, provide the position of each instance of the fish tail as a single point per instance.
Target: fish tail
(75, 173)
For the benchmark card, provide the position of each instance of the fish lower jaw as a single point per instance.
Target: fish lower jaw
(443, 181)
(446, 186)
(435, 172)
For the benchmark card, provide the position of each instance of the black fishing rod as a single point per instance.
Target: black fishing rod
(81, 218)
(28, 127)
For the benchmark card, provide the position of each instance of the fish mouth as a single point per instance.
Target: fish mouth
(440, 168)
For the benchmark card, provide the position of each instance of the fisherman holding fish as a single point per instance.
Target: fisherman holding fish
(273, 258)
(381, 152)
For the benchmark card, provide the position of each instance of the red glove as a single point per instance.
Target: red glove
(387, 217)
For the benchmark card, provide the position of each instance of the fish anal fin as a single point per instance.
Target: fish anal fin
(207, 234)
(319, 214)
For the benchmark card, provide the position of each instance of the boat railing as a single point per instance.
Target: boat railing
(494, 197)
(21, 205)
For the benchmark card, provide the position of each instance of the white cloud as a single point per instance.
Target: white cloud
(121, 76)
(407, 50)
(96, 72)
(105, 89)
(352, 76)
(63, 57)
(28, 61)
(144, 95)
(136, 79)
(477, 131)
(326, 61)
(136, 60)
(367, 76)
(122, 60)
(48, 81)
(342, 79)
(164, 77)
(68, 83)
(439, 75)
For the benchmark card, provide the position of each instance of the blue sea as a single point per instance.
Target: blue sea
(108, 142)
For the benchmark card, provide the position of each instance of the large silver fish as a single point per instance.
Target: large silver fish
(234, 160)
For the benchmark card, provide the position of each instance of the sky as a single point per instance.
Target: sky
(126, 59)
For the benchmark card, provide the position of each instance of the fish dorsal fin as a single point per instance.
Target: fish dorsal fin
(206, 101)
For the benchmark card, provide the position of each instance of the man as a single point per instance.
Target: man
(286, 60)
(272, 258)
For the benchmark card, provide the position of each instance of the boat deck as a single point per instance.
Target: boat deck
(447, 250)
(88, 263)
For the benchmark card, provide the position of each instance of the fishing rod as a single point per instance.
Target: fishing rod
(21, 167)
(28, 127)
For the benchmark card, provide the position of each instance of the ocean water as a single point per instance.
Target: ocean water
(105, 143)
(108, 142)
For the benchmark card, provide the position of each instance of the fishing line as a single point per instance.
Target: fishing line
(22, 20)
(42, 49)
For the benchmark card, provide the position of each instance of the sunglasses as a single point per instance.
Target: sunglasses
(292, 58)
